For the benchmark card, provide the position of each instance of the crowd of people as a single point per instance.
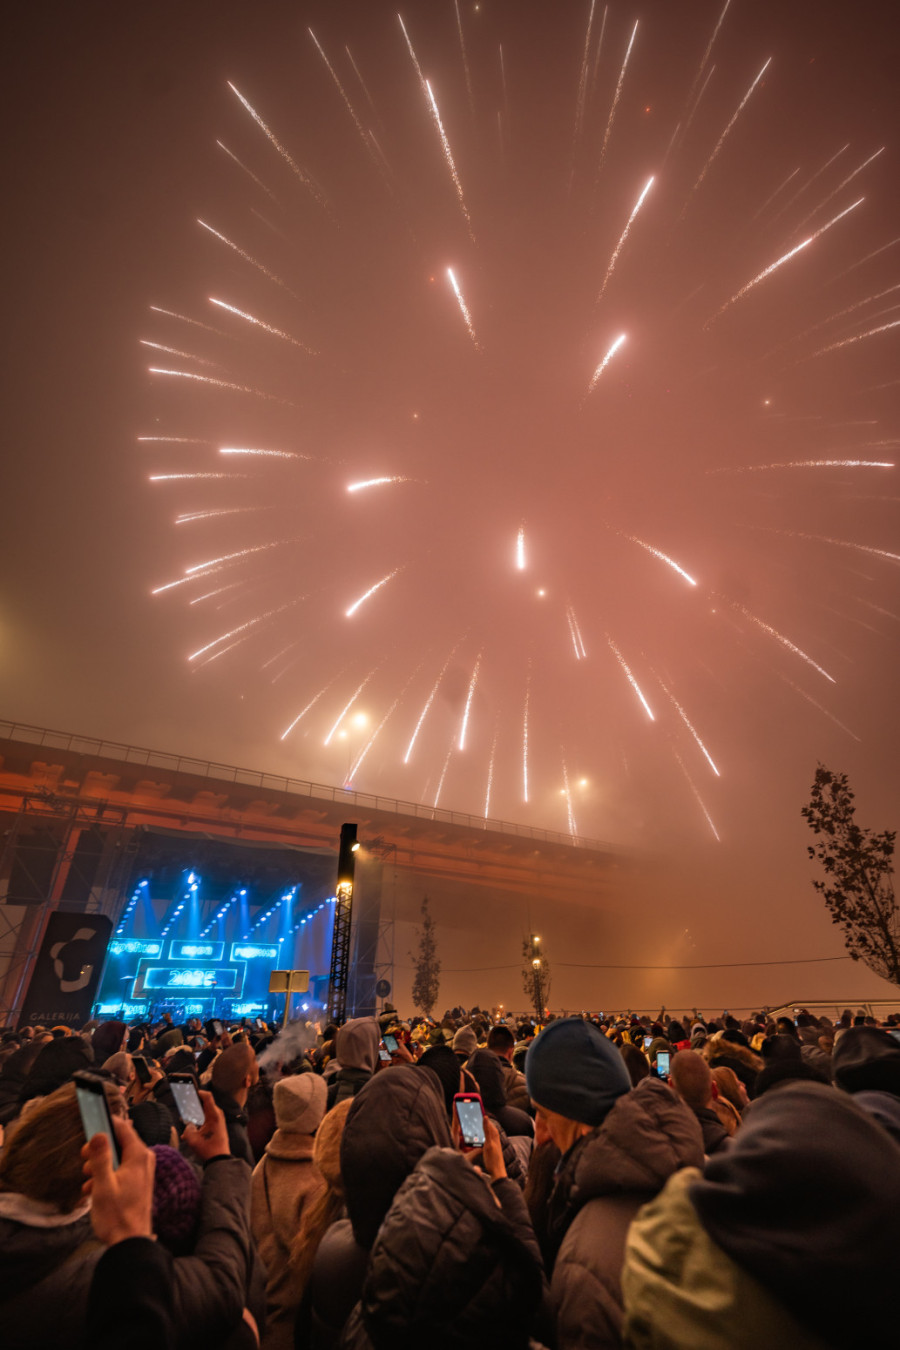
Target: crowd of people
(658, 1183)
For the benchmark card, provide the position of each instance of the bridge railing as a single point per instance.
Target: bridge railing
(229, 773)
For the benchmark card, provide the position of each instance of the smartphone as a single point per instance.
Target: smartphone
(187, 1102)
(648, 1041)
(470, 1114)
(95, 1117)
(142, 1069)
(662, 1063)
(390, 1043)
(384, 1055)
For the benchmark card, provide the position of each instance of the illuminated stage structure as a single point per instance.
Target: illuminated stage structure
(84, 822)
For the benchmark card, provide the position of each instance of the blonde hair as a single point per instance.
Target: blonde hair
(42, 1158)
(318, 1216)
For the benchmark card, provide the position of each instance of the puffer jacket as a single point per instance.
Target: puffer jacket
(44, 1303)
(455, 1265)
(603, 1180)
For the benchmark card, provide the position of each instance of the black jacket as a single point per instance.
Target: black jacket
(451, 1267)
(236, 1121)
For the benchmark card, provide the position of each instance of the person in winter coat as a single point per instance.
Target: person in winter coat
(619, 1146)
(285, 1183)
(730, 1049)
(356, 1051)
(48, 1251)
(234, 1073)
(440, 1059)
(455, 1263)
(393, 1120)
(502, 1042)
(691, 1079)
(787, 1241)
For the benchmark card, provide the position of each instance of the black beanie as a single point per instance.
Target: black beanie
(866, 1059)
(574, 1070)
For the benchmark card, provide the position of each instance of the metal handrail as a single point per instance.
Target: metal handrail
(229, 773)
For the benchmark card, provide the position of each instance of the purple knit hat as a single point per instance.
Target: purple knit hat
(176, 1199)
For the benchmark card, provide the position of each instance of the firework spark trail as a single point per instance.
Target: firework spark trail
(428, 703)
(808, 464)
(868, 258)
(312, 703)
(262, 454)
(490, 778)
(838, 543)
(249, 172)
(805, 186)
(176, 440)
(174, 351)
(581, 95)
(240, 553)
(248, 257)
(377, 482)
(779, 262)
(224, 652)
(465, 60)
(448, 156)
(307, 182)
(575, 632)
(630, 678)
(278, 655)
(598, 52)
(663, 557)
(840, 187)
(520, 548)
(260, 323)
(605, 362)
(699, 799)
(175, 477)
(342, 91)
(847, 342)
(222, 384)
(464, 726)
(722, 139)
(525, 717)
(346, 709)
(183, 318)
(440, 786)
(707, 54)
(348, 613)
(618, 248)
(191, 516)
(685, 128)
(769, 200)
(573, 828)
(245, 627)
(841, 314)
(785, 641)
(503, 86)
(219, 590)
(690, 726)
(467, 318)
(615, 103)
(362, 84)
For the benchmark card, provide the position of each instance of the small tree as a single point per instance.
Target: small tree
(427, 981)
(858, 887)
(535, 975)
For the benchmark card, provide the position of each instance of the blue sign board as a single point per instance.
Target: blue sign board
(196, 950)
(253, 951)
(222, 979)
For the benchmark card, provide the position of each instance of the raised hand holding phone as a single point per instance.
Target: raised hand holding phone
(209, 1140)
(122, 1197)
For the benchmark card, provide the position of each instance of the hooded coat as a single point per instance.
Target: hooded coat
(601, 1184)
(787, 1241)
(395, 1118)
(285, 1181)
(356, 1051)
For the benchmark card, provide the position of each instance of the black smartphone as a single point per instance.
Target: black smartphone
(648, 1041)
(384, 1055)
(662, 1063)
(469, 1111)
(390, 1043)
(187, 1101)
(95, 1116)
(142, 1069)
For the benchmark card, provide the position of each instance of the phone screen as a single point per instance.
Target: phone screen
(662, 1063)
(217, 1028)
(648, 1041)
(187, 1102)
(390, 1043)
(141, 1068)
(471, 1121)
(95, 1117)
(384, 1056)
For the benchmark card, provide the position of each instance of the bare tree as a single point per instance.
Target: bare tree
(427, 980)
(859, 884)
(535, 975)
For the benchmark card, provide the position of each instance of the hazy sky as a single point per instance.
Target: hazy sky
(564, 552)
